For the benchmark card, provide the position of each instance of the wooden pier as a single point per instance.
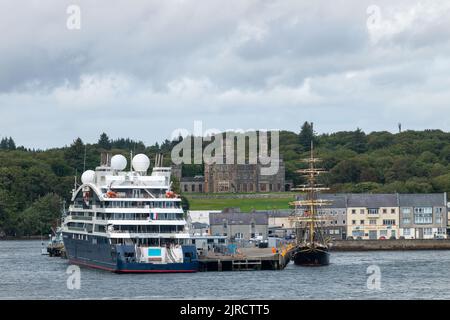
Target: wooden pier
(246, 259)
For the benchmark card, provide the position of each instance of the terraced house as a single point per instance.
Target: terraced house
(373, 216)
(333, 217)
(423, 216)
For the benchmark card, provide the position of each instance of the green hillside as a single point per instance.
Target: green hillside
(32, 182)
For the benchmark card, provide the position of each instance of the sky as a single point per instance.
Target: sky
(143, 69)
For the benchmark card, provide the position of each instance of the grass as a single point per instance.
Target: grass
(246, 205)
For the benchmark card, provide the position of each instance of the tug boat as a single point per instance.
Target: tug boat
(312, 249)
(126, 221)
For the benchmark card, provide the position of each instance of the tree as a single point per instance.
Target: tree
(74, 155)
(358, 141)
(104, 142)
(40, 216)
(11, 144)
(184, 203)
(306, 135)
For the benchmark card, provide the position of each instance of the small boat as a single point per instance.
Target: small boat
(55, 246)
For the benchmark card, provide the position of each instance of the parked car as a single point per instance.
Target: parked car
(350, 238)
(392, 238)
(382, 238)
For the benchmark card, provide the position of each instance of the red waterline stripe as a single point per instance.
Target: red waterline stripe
(90, 265)
(129, 271)
(154, 271)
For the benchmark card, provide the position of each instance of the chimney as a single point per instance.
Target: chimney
(105, 159)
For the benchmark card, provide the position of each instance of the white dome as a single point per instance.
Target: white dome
(118, 162)
(141, 162)
(88, 177)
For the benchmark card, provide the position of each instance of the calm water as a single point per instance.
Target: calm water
(26, 274)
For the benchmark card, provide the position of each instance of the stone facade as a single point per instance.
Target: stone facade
(243, 178)
(192, 184)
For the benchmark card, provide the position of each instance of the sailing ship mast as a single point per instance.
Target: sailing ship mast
(311, 202)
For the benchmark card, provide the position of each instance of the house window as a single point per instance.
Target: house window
(384, 210)
(200, 188)
(185, 188)
(193, 188)
(438, 215)
(423, 215)
(361, 222)
(353, 221)
(239, 235)
(383, 233)
(361, 211)
(389, 222)
(427, 231)
(438, 219)
(353, 211)
(406, 220)
(406, 211)
(392, 210)
(373, 211)
(372, 221)
(406, 231)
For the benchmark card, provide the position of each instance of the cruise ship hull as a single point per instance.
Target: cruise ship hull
(308, 256)
(104, 256)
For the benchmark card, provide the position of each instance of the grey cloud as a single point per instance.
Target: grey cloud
(142, 69)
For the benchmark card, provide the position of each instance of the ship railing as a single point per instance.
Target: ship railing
(80, 218)
(76, 228)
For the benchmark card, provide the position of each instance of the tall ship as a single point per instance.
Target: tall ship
(312, 248)
(126, 221)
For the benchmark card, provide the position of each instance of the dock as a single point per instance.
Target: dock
(246, 259)
(397, 244)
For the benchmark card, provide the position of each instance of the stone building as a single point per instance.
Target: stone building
(243, 178)
(192, 184)
(238, 225)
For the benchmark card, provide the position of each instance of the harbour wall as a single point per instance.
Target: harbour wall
(373, 245)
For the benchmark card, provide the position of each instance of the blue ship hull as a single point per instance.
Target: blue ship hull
(103, 256)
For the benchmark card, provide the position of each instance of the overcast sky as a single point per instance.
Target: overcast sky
(142, 69)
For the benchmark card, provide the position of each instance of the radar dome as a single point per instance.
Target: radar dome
(118, 162)
(141, 162)
(88, 177)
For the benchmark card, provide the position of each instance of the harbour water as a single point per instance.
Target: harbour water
(26, 274)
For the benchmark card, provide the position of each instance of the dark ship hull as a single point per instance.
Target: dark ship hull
(115, 258)
(311, 256)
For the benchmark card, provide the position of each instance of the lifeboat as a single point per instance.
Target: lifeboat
(171, 194)
(111, 194)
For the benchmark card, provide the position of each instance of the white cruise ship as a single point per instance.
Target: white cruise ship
(126, 221)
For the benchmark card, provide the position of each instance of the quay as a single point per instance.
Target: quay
(247, 259)
(397, 244)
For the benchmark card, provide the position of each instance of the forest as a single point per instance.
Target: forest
(35, 183)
